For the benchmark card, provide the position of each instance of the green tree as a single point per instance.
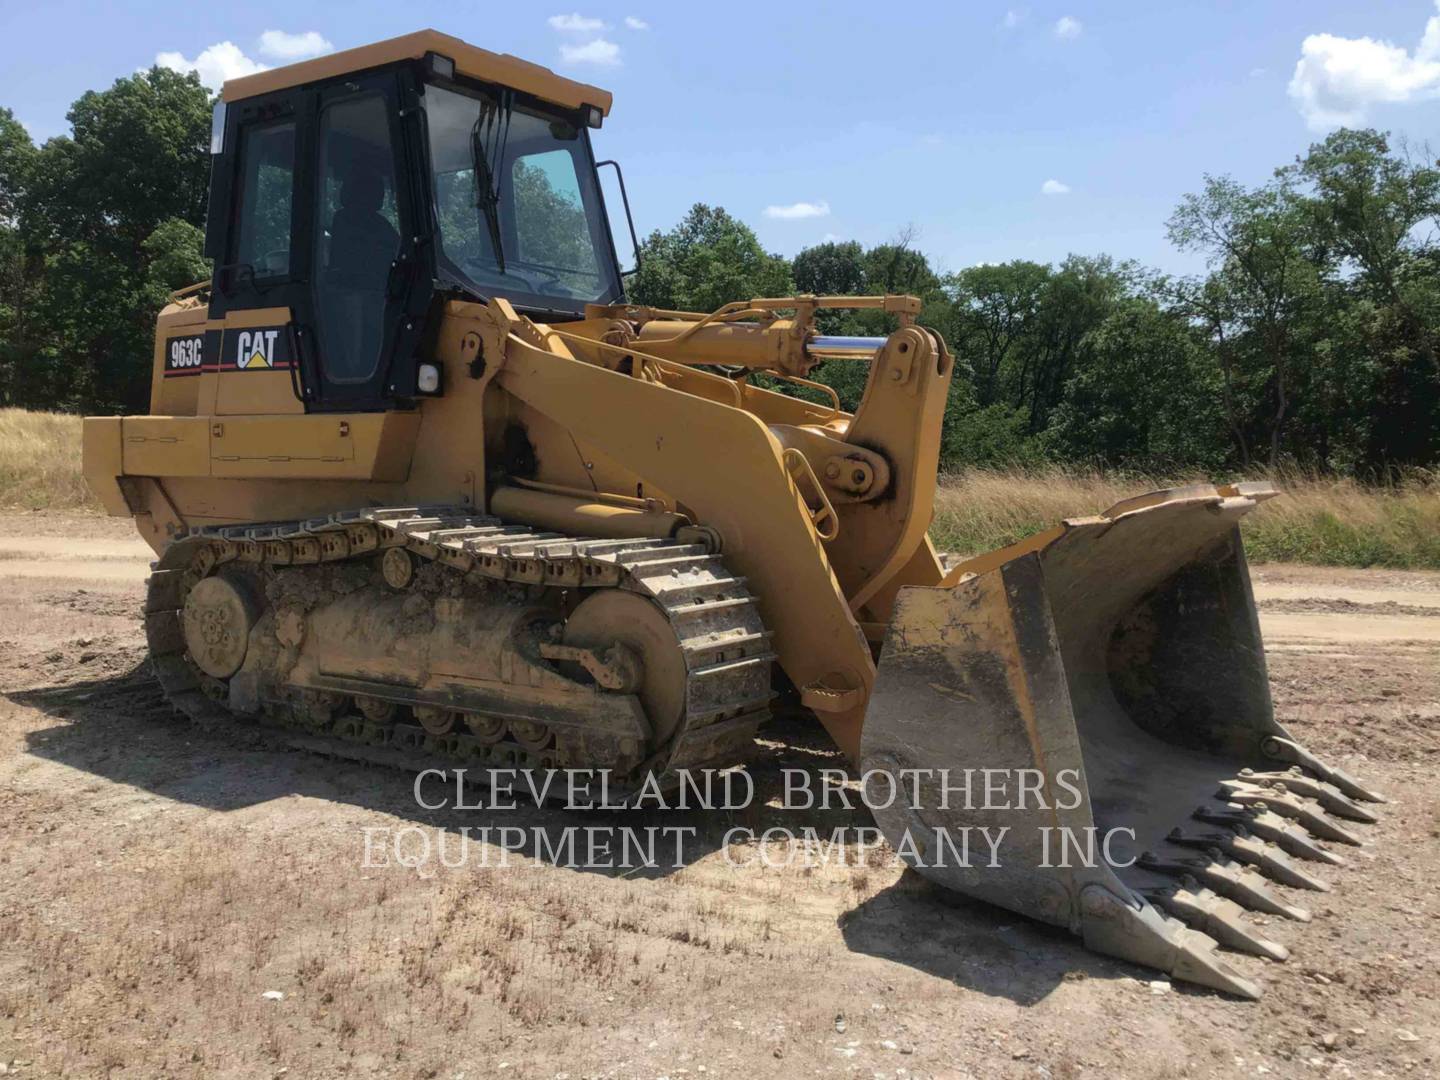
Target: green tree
(831, 269)
(17, 159)
(20, 268)
(138, 155)
(898, 268)
(993, 309)
(1258, 243)
(175, 253)
(708, 260)
(1078, 296)
(1022, 326)
(104, 208)
(1366, 205)
(1368, 208)
(1145, 394)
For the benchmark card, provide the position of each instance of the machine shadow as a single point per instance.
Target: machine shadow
(120, 727)
(973, 944)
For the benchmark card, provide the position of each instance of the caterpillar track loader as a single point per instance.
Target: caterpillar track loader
(425, 489)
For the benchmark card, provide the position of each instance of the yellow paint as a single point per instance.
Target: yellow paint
(615, 404)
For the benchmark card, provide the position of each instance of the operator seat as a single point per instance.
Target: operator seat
(362, 241)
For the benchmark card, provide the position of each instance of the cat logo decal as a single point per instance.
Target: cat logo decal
(255, 349)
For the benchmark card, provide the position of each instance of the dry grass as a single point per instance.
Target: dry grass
(40, 462)
(1337, 522)
(1322, 520)
(980, 509)
(1328, 521)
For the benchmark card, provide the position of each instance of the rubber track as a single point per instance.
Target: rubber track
(716, 622)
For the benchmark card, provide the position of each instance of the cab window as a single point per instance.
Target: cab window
(551, 230)
(267, 163)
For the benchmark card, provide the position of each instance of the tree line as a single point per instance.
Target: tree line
(1311, 339)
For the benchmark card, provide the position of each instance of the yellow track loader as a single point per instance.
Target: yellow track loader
(426, 490)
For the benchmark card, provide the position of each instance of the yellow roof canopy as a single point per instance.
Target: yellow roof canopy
(477, 63)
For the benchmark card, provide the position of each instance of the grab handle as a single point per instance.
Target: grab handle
(824, 520)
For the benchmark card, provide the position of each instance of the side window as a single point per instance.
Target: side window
(267, 184)
(552, 232)
(356, 235)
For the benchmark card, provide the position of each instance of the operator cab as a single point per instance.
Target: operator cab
(352, 194)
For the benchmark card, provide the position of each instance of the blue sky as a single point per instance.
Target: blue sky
(820, 121)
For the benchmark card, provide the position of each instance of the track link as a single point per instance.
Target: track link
(715, 619)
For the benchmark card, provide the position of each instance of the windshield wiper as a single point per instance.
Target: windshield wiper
(487, 152)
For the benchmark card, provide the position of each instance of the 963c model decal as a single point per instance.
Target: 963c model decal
(257, 348)
(185, 355)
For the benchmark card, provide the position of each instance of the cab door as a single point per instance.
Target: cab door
(322, 245)
(258, 296)
(363, 280)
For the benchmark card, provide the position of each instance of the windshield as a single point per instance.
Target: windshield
(510, 173)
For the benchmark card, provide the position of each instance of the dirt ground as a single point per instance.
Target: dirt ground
(176, 904)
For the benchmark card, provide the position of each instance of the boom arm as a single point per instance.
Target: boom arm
(813, 566)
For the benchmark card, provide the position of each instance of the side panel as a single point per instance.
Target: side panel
(366, 446)
(166, 446)
(363, 446)
(235, 365)
(179, 362)
(102, 457)
(254, 364)
(223, 469)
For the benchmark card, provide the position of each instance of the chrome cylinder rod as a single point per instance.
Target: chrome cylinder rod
(844, 348)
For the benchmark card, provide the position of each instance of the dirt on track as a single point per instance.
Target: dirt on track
(157, 882)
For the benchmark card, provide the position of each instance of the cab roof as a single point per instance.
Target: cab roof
(500, 68)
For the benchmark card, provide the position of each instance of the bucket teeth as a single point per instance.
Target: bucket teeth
(1285, 750)
(1287, 804)
(1227, 878)
(1134, 930)
(1212, 914)
(1271, 861)
(1244, 847)
(1269, 825)
(1203, 840)
(1327, 796)
(1195, 961)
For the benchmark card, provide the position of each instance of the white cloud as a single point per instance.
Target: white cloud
(599, 52)
(1054, 187)
(798, 210)
(287, 48)
(575, 23)
(1067, 27)
(1338, 79)
(215, 64)
(636, 24)
(1013, 18)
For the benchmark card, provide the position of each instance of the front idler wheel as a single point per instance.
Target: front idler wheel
(218, 616)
